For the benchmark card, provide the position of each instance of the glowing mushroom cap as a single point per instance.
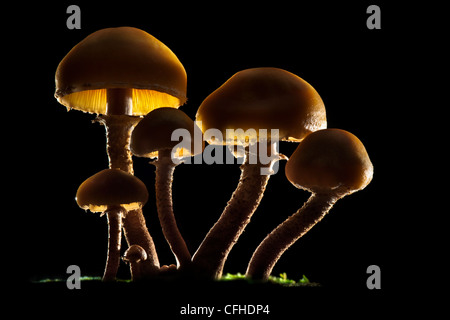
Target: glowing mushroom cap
(123, 57)
(263, 98)
(154, 133)
(111, 187)
(330, 159)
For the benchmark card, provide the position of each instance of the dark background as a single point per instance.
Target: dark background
(358, 73)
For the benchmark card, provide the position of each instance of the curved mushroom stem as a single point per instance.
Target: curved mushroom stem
(163, 188)
(114, 215)
(287, 233)
(118, 127)
(210, 257)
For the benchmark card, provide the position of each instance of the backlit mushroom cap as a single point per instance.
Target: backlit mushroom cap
(135, 253)
(154, 133)
(330, 159)
(111, 187)
(122, 57)
(264, 98)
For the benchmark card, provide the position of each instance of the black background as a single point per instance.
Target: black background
(358, 73)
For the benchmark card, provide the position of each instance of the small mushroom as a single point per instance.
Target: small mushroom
(134, 255)
(112, 192)
(253, 100)
(168, 270)
(152, 138)
(122, 73)
(331, 164)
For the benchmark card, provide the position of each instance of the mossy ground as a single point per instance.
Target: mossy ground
(281, 280)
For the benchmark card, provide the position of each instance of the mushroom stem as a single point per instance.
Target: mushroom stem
(135, 270)
(114, 215)
(118, 134)
(210, 257)
(119, 101)
(163, 188)
(287, 233)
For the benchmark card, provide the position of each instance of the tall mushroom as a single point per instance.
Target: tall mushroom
(114, 192)
(331, 164)
(122, 73)
(152, 138)
(251, 100)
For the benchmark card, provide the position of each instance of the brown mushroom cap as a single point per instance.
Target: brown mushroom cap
(154, 133)
(122, 57)
(264, 98)
(329, 159)
(111, 187)
(135, 253)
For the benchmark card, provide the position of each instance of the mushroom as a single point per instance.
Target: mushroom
(331, 164)
(134, 255)
(168, 270)
(122, 73)
(152, 138)
(253, 100)
(112, 192)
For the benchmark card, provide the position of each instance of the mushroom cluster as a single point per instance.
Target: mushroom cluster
(135, 85)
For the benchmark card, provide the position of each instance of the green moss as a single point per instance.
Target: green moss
(231, 277)
(281, 279)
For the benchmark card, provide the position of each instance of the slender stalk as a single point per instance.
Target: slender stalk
(114, 215)
(163, 188)
(118, 135)
(213, 251)
(286, 234)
